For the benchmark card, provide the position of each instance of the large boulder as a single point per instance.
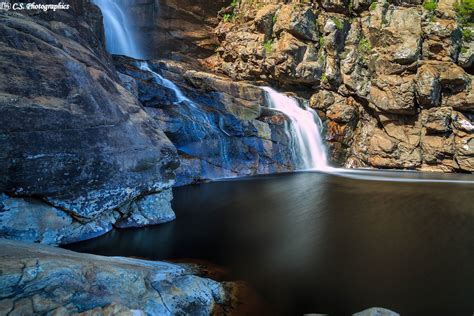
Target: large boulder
(45, 280)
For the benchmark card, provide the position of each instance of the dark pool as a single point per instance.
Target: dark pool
(318, 243)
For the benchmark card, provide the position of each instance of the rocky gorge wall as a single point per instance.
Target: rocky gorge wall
(79, 153)
(391, 79)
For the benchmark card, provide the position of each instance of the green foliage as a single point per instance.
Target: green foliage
(466, 34)
(364, 46)
(430, 5)
(465, 11)
(274, 19)
(324, 78)
(229, 17)
(463, 50)
(233, 3)
(339, 24)
(322, 41)
(268, 45)
(373, 6)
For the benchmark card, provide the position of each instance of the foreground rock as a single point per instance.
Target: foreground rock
(38, 279)
(376, 311)
(71, 135)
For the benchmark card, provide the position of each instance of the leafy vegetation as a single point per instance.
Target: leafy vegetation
(324, 78)
(467, 34)
(322, 41)
(465, 11)
(430, 5)
(339, 24)
(268, 45)
(373, 6)
(364, 46)
(229, 17)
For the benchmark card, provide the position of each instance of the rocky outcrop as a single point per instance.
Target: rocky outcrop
(389, 78)
(221, 128)
(32, 220)
(72, 137)
(43, 280)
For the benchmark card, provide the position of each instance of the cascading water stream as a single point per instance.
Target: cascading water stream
(119, 39)
(304, 130)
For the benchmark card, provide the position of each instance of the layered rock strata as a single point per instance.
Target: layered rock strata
(392, 79)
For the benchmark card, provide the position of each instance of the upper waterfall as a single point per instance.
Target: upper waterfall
(119, 39)
(304, 130)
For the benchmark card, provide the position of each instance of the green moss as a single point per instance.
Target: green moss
(274, 18)
(324, 78)
(463, 50)
(268, 45)
(339, 24)
(364, 46)
(466, 34)
(373, 6)
(430, 5)
(322, 41)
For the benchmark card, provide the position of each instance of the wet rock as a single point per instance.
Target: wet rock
(40, 279)
(223, 129)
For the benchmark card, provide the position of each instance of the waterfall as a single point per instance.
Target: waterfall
(119, 39)
(303, 129)
(160, 80)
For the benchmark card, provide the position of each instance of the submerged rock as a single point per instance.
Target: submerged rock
(376, 311)
(39, 279)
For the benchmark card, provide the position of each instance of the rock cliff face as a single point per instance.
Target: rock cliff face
(221, 128)
(72, 137)
(169, 28)
(392, 79)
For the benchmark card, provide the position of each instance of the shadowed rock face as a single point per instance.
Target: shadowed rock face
(39, 280)
(223, 129)
(167, 27)
(70, 133)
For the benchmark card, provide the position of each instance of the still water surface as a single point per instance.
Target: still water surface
(319, 243)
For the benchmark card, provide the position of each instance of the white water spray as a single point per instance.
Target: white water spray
(119, 38)
(304, 130)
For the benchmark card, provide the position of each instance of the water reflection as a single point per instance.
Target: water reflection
(312, 242)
